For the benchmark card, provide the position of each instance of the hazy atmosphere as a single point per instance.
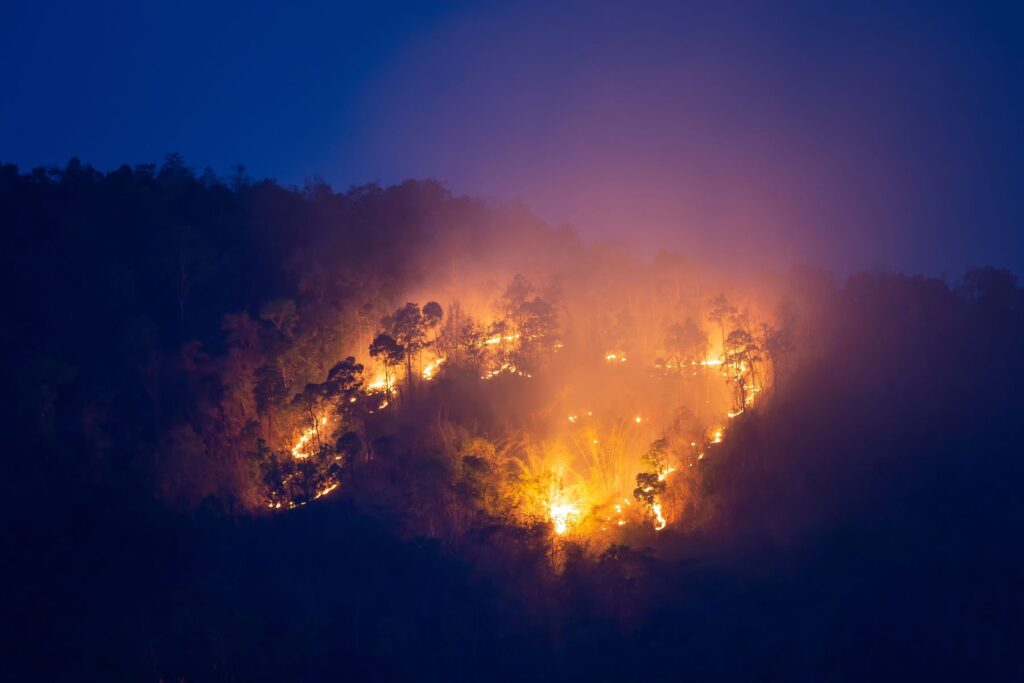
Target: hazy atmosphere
(869, 136)
(485, 342)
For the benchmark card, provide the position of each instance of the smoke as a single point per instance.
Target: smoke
(741, 137)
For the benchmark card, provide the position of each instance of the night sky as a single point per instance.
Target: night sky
(746, 134)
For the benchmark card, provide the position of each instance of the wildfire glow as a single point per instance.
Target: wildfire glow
(579, 476)
(430, 370)
(498, 338)
(325, 490)
(504, 369)
(299, 449)
(561, 514)
(382, 382)
(659, 519)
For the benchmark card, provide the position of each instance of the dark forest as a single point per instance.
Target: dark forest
(258, 432)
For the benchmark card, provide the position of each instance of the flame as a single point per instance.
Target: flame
(381, 382)
(299, 449)
(561, 514)
(659, 519)
(562, 510)
(497, 339)
(606, 459)
(325, 490)
(505, 368)
(430, 371)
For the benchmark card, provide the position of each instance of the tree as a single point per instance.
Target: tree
(621, 331)
(777, 344)
(336, 395)
(651, 483)
(452, 336)
(992, 289)
(270, 391)
(188, 258)
(239, 179)
(741, 353)
(344, 384)
(518, 291)
(407, 328)
(721, 311)
(174, 169)
(391, 355)
(350, 447)
(539, 323)
(686, 343)
(282, 314)
(432, 314)
(242, 331)
(529, 320)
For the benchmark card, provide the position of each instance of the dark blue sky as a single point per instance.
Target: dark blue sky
(738, 132)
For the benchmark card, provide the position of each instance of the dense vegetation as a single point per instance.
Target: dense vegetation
(166, 334)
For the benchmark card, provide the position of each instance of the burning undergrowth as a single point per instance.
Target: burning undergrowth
(534, 405)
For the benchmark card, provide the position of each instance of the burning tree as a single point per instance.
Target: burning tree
(404, 333)
(722, 310)
(742, 351)
(325, 406)
(391, 355)
(529, 324)
(650, 484)
(685, 344)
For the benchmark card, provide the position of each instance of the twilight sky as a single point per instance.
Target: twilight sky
(743, 133)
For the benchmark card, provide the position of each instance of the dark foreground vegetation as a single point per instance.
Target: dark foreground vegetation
(867, 519)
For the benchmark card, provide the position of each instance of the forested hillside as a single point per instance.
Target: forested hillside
(263, 432)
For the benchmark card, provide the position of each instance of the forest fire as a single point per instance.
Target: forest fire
(561, 514)
(300, 449)
(648, 427)
(659, 519)
(431, 368)
(612, 398)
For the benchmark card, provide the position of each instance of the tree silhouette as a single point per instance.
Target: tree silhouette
(282, 314)
(721, 312)
(741, 353)
(686, 343)
(391, 355)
